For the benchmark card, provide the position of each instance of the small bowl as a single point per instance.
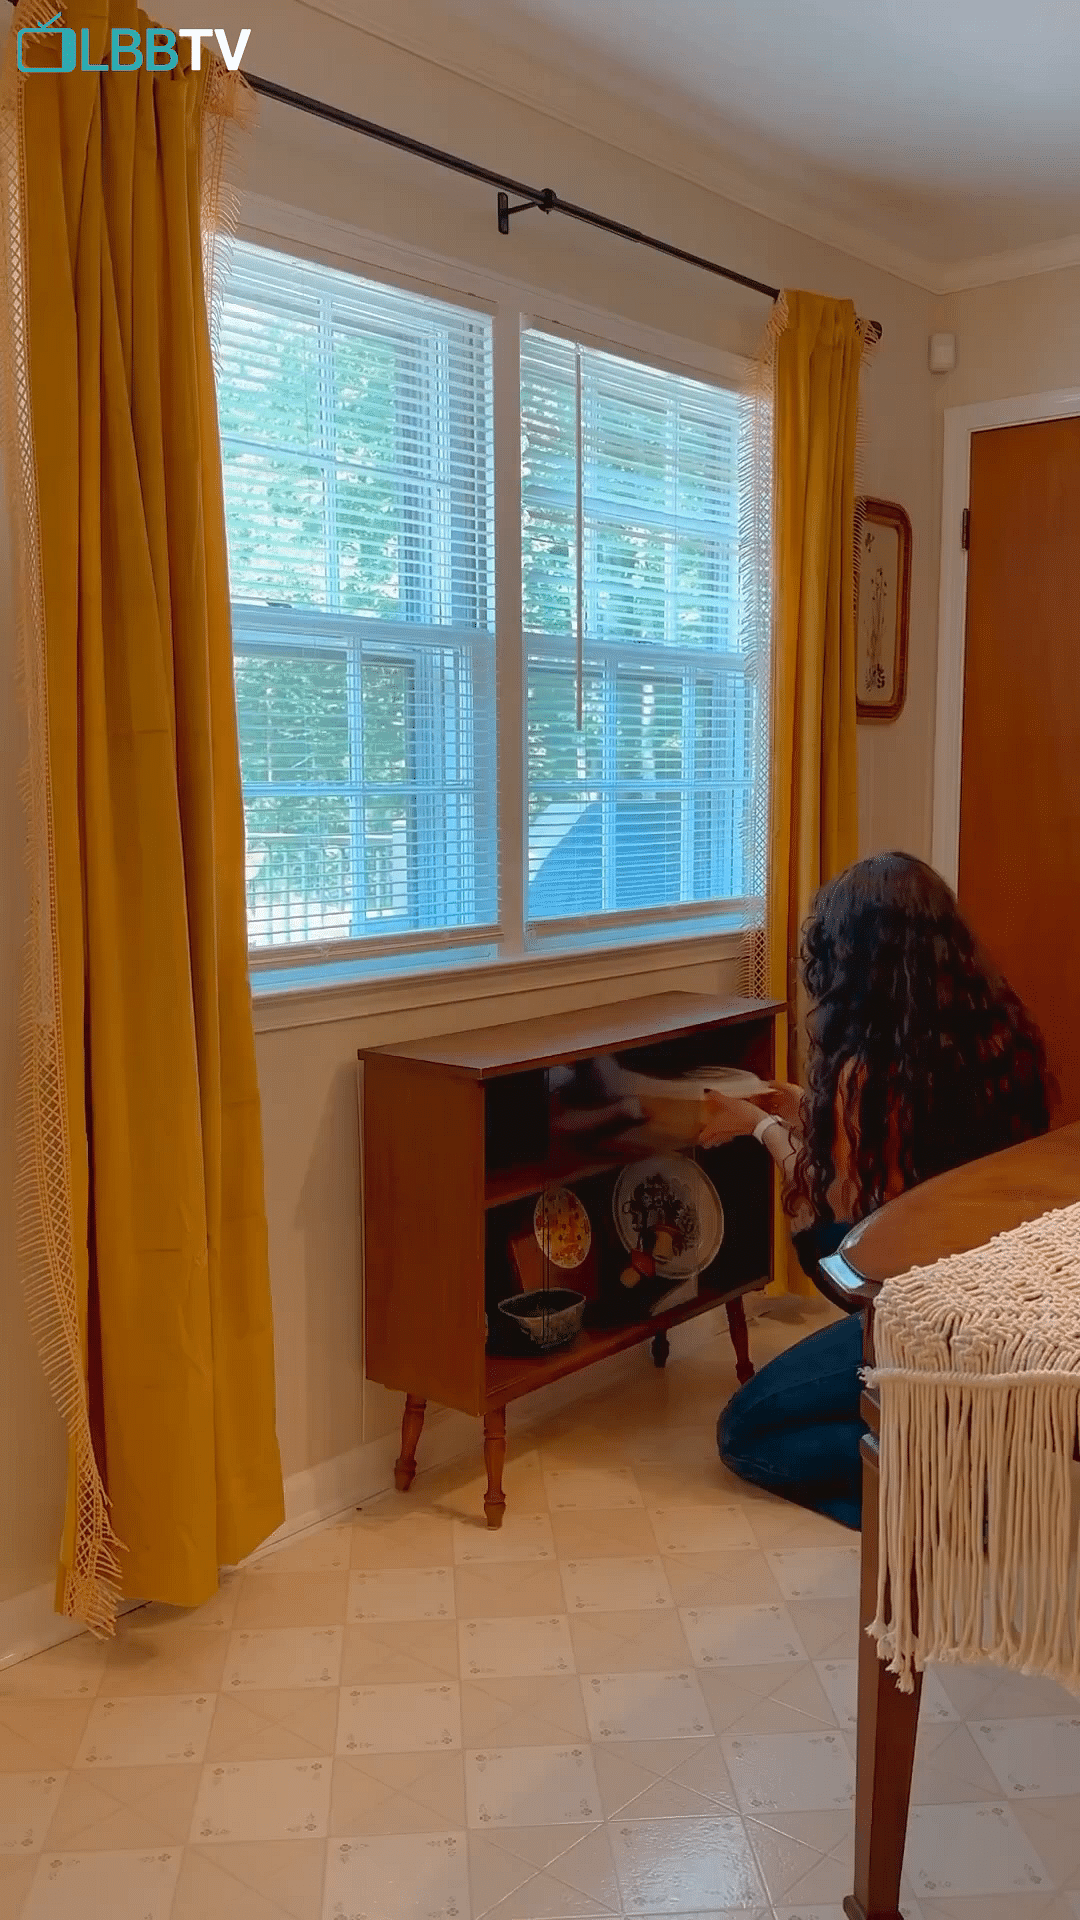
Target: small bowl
(551, 1317)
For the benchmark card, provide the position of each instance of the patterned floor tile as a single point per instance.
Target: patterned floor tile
(531, 1786)
(636, 1698)
(645, 1706)
(124, 1886)
(72, 1671)
(263, 1800)
(969, 1850)
(685, 1866)
(28, 1802)
(629, 1642)
(623, 1585)
(146, 1730)
(510, 1649)
(401, 1594)
(276, 1659)
(427, 1876)
(116, 1810)
(513, 1589)
(295, 1724)
(409, 1719)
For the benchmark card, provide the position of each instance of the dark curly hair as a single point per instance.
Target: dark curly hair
(936, 1060)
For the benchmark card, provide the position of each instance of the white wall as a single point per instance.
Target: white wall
(1022, 336)
(307, 1071)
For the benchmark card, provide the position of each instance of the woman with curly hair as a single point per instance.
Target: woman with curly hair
(920, 1057)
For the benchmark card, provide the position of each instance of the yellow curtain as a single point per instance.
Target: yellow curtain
(814, 357)
(140, 1181)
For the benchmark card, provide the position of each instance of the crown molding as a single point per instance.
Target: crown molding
(639, 135)
(647, 136)
(1022, 263)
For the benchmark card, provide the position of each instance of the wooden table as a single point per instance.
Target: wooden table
(952, 1214)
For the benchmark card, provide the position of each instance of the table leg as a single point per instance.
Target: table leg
(888, 1726)
(740, 1339)
(412, 1426)
(661, 1349)
(495, 1459)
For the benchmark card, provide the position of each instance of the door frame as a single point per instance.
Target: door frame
(960, 424)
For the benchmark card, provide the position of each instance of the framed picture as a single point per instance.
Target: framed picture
(883, 611)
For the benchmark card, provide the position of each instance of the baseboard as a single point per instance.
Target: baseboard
(29, 1624)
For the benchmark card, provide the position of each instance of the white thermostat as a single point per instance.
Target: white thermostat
(942, 352)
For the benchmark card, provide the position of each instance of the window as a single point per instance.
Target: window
(357, 441)
(642, 747)
(358, 426)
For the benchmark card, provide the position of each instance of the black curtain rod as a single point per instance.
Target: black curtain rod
(543, 198)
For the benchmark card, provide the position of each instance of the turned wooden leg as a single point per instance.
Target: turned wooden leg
(495, 1460)
(412, 1426)
(888, 1725)
(661, 1349)
(740, 1340)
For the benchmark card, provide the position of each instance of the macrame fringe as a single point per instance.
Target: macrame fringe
(978, 1369)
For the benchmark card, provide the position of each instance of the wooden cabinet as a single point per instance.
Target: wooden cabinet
(456, 1136)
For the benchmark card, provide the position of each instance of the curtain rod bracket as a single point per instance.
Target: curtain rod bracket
(545, 202)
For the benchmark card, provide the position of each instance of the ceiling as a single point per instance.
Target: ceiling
(939, 137)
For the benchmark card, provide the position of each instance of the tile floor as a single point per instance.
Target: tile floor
(637, 1699)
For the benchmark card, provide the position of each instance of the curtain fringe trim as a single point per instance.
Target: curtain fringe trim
(755, 481)
(90, 1584)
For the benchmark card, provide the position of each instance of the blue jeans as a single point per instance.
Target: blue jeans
(794, 1429)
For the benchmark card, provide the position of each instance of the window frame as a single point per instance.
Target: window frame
(611, 664)
(447, 573)
(308, 984)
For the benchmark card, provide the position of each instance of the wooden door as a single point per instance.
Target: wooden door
(1019, 872)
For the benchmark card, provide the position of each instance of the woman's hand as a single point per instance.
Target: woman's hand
(784, 1100)
(728, 1119)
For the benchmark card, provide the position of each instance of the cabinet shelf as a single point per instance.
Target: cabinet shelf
(511, 1376)
(590, 1155)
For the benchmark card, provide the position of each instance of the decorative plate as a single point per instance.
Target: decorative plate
(736, 1082)
(562, 1228)
(668, 1208)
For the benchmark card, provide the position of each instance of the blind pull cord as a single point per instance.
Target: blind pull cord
(580, 546)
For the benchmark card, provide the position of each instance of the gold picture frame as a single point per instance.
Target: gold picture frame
(883, 611)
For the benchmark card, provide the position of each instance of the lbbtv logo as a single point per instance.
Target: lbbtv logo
(155, 50)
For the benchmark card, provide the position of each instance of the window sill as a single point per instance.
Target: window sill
(277, 1009)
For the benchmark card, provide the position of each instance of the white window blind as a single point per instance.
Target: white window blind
(356, 427)
(631, 609)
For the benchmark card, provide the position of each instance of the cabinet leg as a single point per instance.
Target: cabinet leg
(495, 1460)
(412, 1426)
(740, 1340)
(661, 1350)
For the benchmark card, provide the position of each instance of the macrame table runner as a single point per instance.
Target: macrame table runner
(978, 1369)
